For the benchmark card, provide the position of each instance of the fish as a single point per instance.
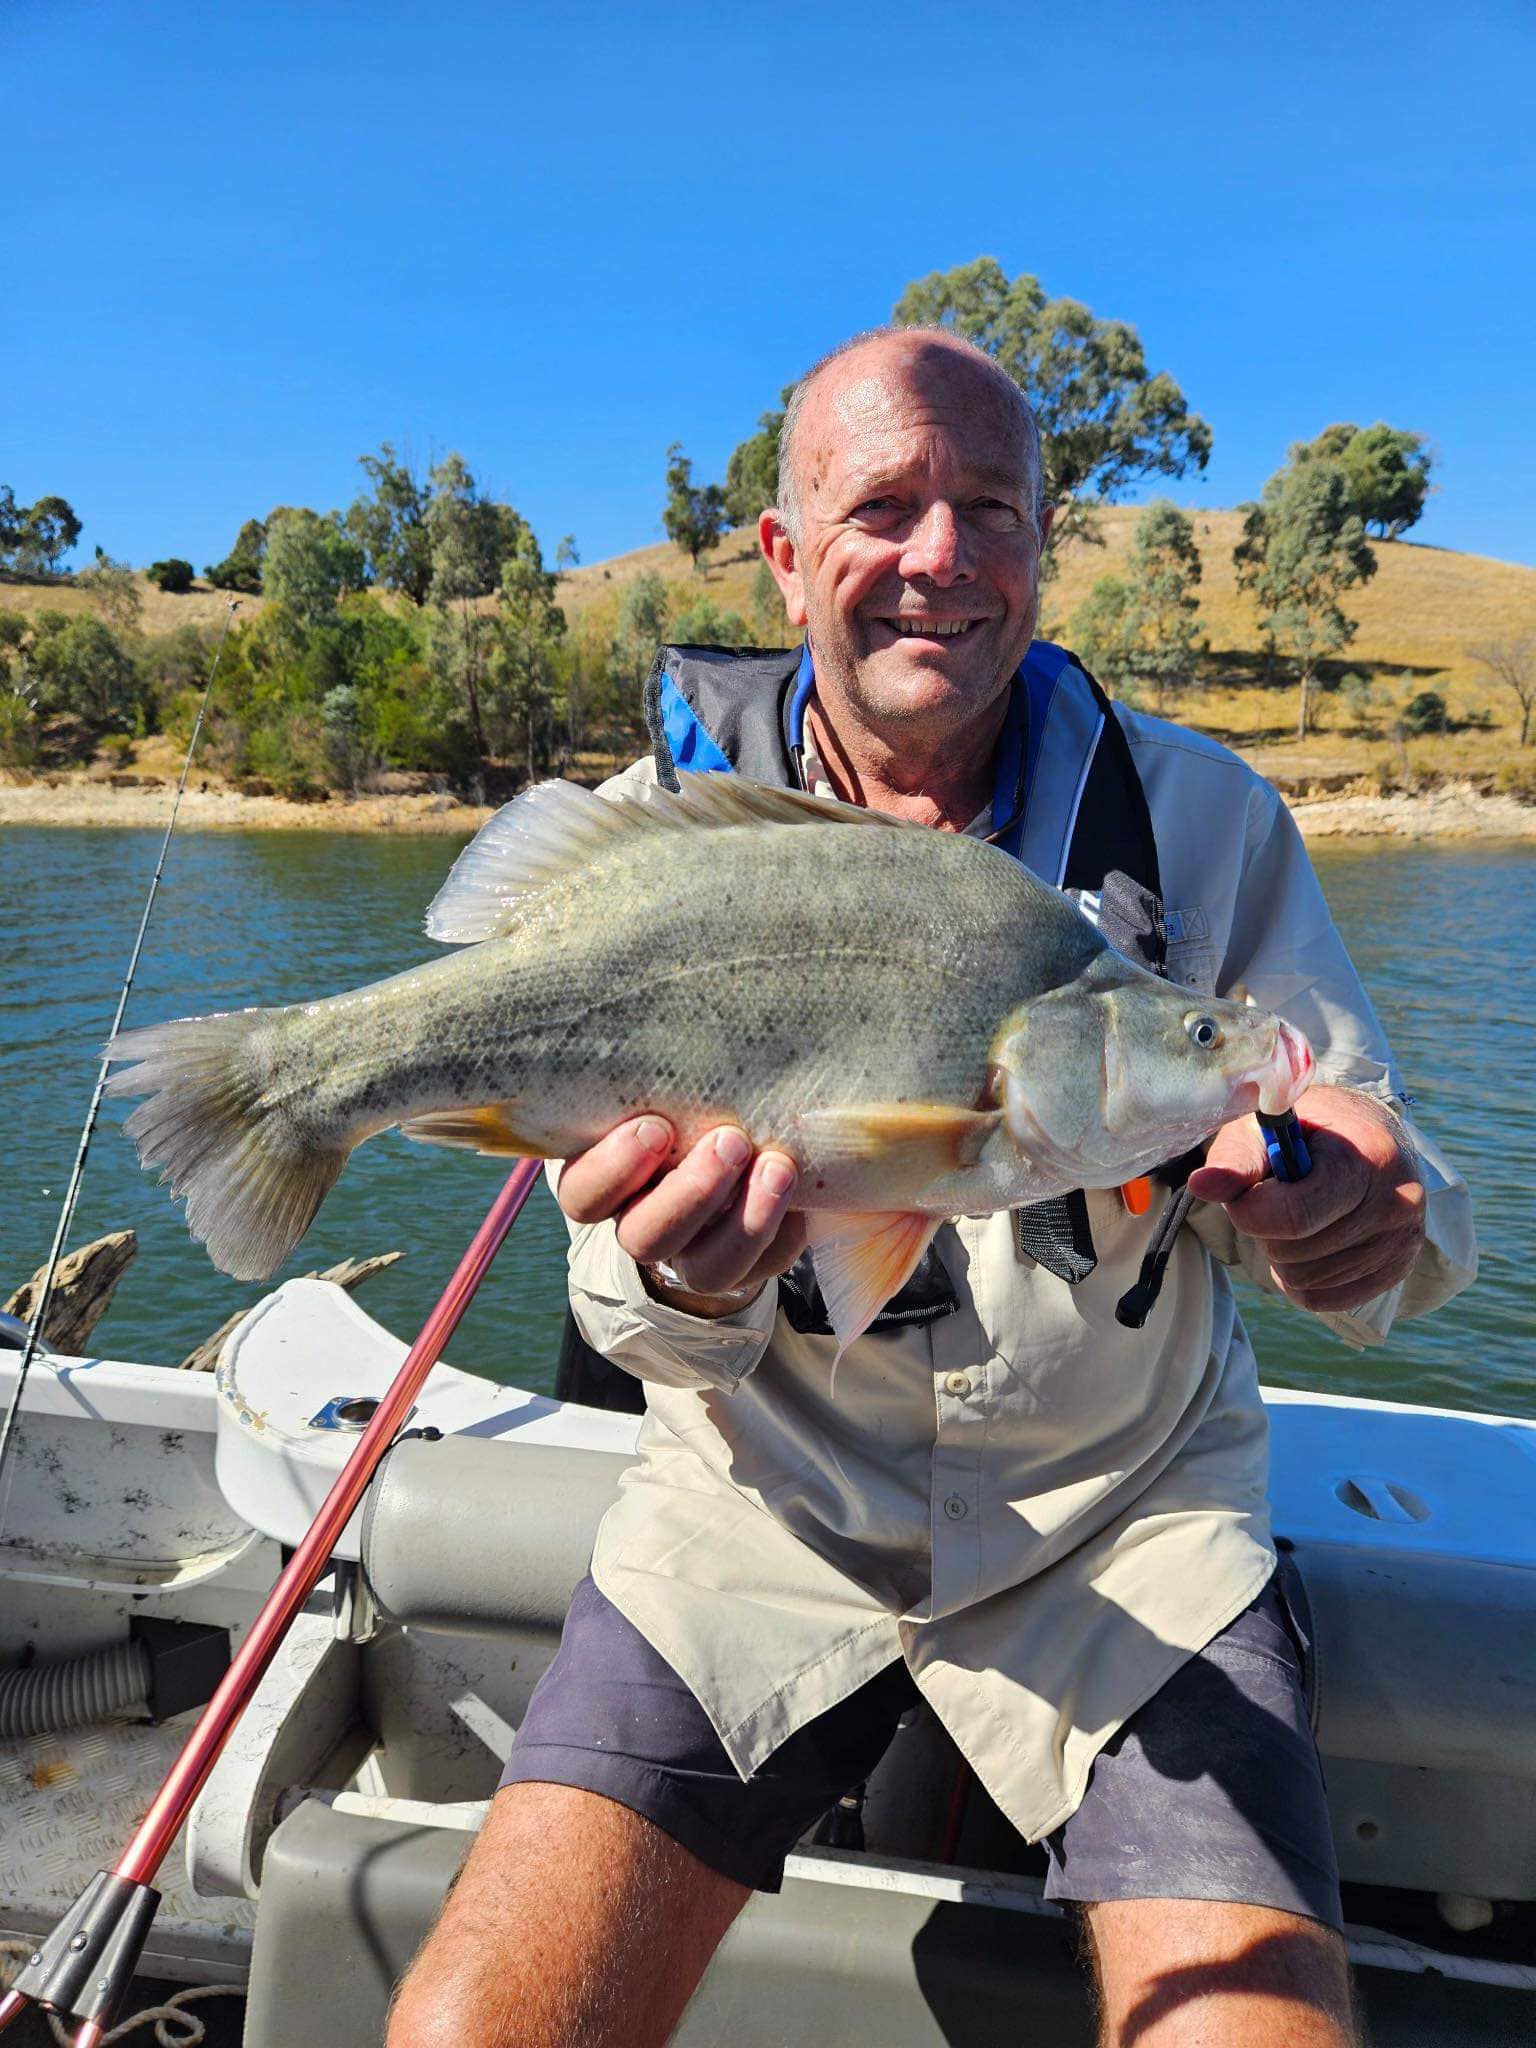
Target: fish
(923, 1025)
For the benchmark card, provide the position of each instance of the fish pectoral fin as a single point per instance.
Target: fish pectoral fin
(924, 1138)
(861, 1261)
(485, 1128)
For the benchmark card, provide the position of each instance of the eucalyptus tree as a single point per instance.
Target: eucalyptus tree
(1106, 421)
(390, 524)
(1303, 545)
(694, 516)
(1387, 470)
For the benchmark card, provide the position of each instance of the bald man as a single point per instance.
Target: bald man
(1050, 1527)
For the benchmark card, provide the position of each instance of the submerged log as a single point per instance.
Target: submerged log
(349, 1273)
(82, 1288)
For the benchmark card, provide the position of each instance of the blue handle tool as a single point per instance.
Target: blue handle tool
(1289, 1158)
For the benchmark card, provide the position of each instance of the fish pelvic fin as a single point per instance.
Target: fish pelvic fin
(920, 1140)
(488, 1128)
(221, 1136)
(556, 827)
(861, 1261)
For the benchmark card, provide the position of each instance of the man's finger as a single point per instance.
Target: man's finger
(667, 1219)
(727, 1254)
(596, 1184)
(1235, 1162)
(1280, 1209)
(1344, 1264)
(1352, 1294)
(788, 1243)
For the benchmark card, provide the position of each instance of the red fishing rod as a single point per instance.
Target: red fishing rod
(82, 1970)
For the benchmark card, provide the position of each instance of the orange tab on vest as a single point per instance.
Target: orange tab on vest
(1137, 1195)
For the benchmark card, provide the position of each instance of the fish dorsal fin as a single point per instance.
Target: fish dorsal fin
(556, 827)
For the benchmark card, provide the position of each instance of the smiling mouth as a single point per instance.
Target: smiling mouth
(931, 629)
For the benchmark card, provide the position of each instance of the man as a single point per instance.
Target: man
(1056, 1525)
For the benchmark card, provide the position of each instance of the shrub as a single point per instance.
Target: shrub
(1425, 713)
(81, 668)
(116, 748)
(173, 576)
(18, 728)
(705, 625)
(1517, 779)
(290, 752)
(1361, 697)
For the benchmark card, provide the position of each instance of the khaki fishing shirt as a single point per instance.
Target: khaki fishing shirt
(1043, 1512)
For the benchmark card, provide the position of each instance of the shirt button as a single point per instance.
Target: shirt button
(957, 1383)
(955, 1508)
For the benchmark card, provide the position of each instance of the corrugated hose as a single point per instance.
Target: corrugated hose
(48, 1699)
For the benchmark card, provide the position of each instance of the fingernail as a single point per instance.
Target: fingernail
(775, 1178)
(653, 1134)
(731, 1148)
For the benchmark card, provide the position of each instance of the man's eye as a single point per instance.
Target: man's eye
(996, 511)
(876, 505)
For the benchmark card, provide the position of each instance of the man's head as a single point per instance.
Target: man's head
(908, 533)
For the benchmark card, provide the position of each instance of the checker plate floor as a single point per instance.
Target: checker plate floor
(68, 1804)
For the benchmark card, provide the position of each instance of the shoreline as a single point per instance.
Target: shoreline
(88, 803)
(1454, 811)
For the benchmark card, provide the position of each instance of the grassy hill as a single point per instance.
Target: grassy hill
(202, 605)
(1419, 616)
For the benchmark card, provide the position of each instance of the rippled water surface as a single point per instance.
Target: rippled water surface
(1445, 938)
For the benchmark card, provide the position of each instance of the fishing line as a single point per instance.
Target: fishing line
(71, 1194)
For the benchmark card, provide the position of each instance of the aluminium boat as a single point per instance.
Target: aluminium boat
(150, 1512)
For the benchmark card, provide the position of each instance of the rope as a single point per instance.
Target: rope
(72, 1192)
(192, 2033)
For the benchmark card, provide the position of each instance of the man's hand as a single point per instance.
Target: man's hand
(1346, 1233)
(717, 1217)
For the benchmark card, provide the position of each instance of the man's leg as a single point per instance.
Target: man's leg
(1187, 1973)
(573, 1924)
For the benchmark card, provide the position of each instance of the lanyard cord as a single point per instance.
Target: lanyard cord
(72, 1192)
(1012, 784)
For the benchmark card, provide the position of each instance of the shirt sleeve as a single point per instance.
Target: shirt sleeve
(1285, 951)
(656, 1343)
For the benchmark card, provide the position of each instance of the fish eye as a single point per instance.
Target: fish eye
(1205, 1032)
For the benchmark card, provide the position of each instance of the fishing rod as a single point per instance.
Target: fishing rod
(83, 1968)
(39, 1315)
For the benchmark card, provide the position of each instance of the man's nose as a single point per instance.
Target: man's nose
(936, 547)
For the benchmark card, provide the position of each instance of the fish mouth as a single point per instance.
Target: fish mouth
(1289, 1072)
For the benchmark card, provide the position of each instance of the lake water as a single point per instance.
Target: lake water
(1444, 937)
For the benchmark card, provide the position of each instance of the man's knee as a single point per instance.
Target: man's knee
(1172, 1970)
(572, 1919)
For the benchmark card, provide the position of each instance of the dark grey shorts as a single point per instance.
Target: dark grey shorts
(1212, 1790)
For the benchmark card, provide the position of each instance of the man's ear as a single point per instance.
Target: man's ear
(782, 557)
(1047, 521)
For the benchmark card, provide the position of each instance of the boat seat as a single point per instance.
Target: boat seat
(1424, 1637)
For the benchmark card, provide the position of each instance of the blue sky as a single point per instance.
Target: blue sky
(259, 239)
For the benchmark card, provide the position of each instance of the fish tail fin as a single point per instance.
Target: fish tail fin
(223, 1137)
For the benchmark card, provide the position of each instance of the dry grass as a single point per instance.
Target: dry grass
(1419, 617)
(200, 606)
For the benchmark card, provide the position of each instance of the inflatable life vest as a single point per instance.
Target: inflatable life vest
(1067, 802)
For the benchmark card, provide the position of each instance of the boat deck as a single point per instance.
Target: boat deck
(68, 1803)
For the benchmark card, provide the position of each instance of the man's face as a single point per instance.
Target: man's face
(917, 567)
